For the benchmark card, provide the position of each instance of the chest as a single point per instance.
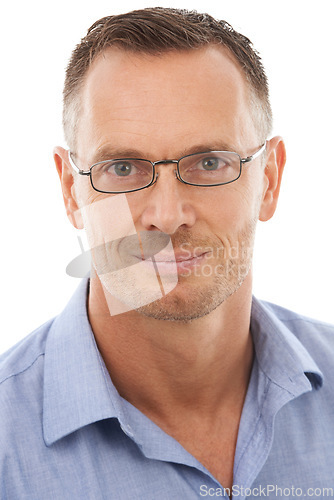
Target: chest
(214, 449)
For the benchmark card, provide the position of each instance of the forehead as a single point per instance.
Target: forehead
(151, 101)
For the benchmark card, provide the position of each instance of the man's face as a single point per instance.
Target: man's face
(164, 107)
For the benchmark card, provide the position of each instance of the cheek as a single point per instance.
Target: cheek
(84, 191)
(230, 209)
(107, 218)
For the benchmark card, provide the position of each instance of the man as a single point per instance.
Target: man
(163, 378)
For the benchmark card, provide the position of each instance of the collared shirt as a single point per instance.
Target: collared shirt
(66, 433)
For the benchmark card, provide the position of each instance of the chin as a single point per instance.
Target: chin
(188, 303)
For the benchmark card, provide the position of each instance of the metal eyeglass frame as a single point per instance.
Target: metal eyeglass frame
(162, 162)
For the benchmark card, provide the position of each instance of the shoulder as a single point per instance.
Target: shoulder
(20, 358)
(299, 324)
(316, 336)
(21, 392)
(21, 402)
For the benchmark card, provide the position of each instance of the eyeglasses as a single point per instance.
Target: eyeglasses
(125, 175)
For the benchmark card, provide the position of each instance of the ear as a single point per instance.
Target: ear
(275, 161)
(66, 175)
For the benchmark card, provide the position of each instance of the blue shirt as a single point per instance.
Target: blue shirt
(65, 432)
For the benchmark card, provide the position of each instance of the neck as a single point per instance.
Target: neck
(163, 366)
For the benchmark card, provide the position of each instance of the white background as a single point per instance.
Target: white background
(294, 252)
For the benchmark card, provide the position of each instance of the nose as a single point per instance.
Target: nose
(168, 204)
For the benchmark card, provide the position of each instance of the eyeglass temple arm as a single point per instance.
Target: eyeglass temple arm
(73, 165)
(255, 155)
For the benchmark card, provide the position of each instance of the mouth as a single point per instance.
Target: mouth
(177, 261)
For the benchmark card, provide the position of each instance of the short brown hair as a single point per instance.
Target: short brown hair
(155, 31)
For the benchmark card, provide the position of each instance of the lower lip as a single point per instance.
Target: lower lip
(187, 265)
(180, 265)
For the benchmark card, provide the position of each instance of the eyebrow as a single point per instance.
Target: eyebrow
(109, 152)
(215, 146)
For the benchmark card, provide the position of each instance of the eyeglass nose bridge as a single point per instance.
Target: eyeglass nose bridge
(164, 162)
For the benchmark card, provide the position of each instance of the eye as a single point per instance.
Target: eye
(122, 168)
(213, 163)
(210, 163)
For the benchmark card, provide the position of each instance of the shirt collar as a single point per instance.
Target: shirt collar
(78, 390)
(280, 355)
(282, 371)
(77, 386)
